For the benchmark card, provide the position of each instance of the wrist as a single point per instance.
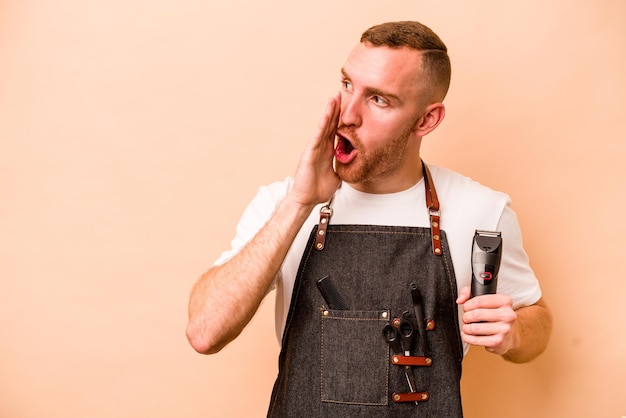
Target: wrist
(513, 351)
(298, 202)
(293, 207)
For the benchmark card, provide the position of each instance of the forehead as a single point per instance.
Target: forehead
(397, 70)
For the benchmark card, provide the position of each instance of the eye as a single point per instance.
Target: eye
(346, 85)
(380, 101)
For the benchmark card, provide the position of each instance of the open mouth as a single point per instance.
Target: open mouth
(344, 150)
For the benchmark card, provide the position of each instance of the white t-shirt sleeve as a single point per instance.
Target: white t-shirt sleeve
(515, 278)
(256, 214)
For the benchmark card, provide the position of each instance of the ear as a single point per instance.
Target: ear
(430, 120)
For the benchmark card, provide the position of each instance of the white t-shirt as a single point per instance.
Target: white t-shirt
(465, 207)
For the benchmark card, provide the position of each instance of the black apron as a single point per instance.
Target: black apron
(335, 362)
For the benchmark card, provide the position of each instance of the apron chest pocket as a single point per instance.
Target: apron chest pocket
(354, 357)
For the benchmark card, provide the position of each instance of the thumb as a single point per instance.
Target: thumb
(464, 295)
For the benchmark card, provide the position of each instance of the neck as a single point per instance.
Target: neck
(393, 182)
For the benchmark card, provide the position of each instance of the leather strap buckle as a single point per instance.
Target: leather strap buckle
(320, 238)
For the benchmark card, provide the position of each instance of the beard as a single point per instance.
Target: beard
(375, 163)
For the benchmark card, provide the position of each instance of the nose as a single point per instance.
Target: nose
(350, 110)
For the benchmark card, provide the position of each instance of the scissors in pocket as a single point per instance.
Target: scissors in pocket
(400, 340)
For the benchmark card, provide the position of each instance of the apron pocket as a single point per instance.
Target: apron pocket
(354, 357)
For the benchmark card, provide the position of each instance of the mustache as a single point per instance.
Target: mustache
(348, 133)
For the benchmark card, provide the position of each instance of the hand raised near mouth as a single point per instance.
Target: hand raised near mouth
(315, 180)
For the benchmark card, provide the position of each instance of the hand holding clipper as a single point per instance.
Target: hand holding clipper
(486, 256)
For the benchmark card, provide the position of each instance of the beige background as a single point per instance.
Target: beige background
(133, 133)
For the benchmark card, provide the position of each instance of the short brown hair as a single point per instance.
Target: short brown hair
(435, 60)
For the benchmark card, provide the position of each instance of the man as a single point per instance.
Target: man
(391, 235)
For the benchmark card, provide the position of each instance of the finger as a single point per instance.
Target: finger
(336, 113)
(484, 329)
(328, 123)
(503, 315)
(493, 344)
(493, 301)
(331, 127)
(464, 295)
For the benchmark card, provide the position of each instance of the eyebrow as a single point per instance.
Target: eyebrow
(373, 90)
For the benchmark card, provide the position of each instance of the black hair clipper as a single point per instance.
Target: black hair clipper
(486, 256)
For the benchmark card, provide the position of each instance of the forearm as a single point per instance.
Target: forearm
(226, 297)
(531, 333)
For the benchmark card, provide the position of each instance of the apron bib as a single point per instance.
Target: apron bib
(335, 362)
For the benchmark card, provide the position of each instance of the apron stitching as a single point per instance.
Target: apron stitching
(386, 371)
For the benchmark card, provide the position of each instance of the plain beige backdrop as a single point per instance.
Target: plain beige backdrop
(134, 132)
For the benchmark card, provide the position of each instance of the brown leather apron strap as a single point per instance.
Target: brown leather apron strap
(398, 360)
(410, 397)
(432, 203)
(325, 214)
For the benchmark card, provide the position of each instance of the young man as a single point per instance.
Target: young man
(361, 212)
